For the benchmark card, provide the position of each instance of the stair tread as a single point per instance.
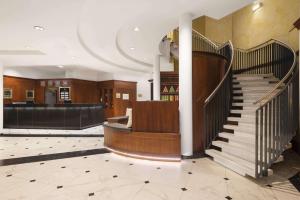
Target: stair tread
(245, 166)
(249, 75)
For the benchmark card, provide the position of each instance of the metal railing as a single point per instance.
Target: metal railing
(277, 113)
(217, 105)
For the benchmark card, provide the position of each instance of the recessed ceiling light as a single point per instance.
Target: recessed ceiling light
(256, 6)
(73, 57)
(39, 28)
(136, 29)
(132, 48)
(60, 66)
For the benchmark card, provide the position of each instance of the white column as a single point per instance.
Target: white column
(185, 84)
(1, 97)
(156, 78)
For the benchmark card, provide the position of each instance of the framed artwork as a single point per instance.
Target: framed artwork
(43, 83)
(118, 95)
(64, 93)
(7, 93)
(50, 83)
(57, 83)
(29, 94)
(125, 96)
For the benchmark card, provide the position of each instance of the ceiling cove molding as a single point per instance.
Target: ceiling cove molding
(123, 53)
(95, 55)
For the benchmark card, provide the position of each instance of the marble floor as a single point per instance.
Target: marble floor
(111, 177)
(97, 130)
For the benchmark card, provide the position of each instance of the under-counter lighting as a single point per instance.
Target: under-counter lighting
(256, 6)
(136, 29)
(60, 66)
(39, 28)
(132, 48)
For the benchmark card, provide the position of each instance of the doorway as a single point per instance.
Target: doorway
(51, 96)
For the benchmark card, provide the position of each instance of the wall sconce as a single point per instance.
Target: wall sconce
(256, 6)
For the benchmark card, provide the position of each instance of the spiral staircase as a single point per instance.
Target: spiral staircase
(253, 114)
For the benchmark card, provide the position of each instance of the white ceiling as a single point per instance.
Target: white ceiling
(95, 34)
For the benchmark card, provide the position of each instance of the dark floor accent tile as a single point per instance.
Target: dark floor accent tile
(33, 180)
(84, 157)
(106, 160)
(228, 197)
(194, 161)
(58, 141)
(130, 164)
(74, 146)
(158, 168)
(50, 147)
(226, 179)
(26, 148)
(91, 194)
(183, 189)
(269, 185)
(87, 171)
(9, 175)
(56, 156)
(63, 167)
(59, 187)
(115, 176)
(42, 163)
(190, 173)
(146, 182)
(12, 155)
(295, 180)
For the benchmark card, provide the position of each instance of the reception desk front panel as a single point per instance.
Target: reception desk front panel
(74, 116)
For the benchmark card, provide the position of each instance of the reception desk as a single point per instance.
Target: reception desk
(64, 116)
(154, 134)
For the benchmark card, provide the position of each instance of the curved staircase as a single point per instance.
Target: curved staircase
(263, 115)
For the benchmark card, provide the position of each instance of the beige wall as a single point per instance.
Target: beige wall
(247, 28)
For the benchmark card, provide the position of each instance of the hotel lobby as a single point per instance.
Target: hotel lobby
(158, 100)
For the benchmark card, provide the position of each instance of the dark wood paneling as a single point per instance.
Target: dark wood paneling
(84, 91)
(19, 87)
(119, 105)
(155, 116)
(208, 70)
(143, 143)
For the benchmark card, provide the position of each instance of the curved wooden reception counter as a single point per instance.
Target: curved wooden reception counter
(154, 134)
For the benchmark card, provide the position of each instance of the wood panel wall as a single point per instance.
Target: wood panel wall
(155, 116)
(208, 71)
(19, 87)
(82, 91)
(119, 105)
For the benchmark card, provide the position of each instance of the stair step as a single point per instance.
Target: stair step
(242, 128)
(238, 165)
(252, 75)
(254, 83)
(246, 152)
(259, 80)
(258, 86)
(241, 91)
(248, 112)
(242, 119)
(253, 89)
(239, 138)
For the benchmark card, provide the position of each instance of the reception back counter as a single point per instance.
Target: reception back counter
(63, 116)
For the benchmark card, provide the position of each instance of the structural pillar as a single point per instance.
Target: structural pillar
(185, 84)
(1, 97)
(156, 78)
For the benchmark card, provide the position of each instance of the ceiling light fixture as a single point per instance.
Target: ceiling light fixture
(39, 28)
(132, 48)
(256, 6)
(60, 66)
(136, 29)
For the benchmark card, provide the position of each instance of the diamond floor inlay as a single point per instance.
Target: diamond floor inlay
(94, 173)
